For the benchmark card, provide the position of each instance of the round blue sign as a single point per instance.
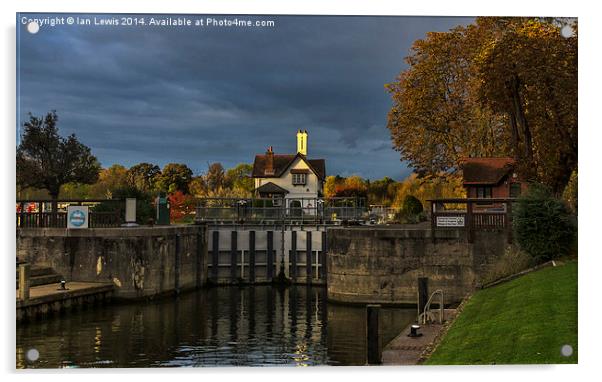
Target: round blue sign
(77, 218)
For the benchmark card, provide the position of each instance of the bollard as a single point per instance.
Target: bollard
(373, 348)
(24, 270)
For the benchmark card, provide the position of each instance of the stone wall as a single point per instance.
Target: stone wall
(140, 261)
(381, 265)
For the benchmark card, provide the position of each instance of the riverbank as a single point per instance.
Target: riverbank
(524, 321)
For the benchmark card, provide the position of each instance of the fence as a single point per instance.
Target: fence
(472, 215)
(288, 211)
(36, 214)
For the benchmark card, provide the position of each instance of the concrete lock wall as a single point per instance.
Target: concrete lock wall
(379, 265)
(233, 260)
(140, 262)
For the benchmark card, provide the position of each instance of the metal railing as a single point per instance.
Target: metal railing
(293, 211)
(38, 214)
(427, 315)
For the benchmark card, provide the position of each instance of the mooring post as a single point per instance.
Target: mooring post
(423, 294)
(252, 256)
(24, 270)
(373, 354)
(177, 263)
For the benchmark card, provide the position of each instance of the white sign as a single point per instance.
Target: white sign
(450, 221)
(77, 217)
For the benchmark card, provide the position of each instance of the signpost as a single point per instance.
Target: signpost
(77, 217)
(450, 221)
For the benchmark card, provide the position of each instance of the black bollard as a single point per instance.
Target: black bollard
(373, 347)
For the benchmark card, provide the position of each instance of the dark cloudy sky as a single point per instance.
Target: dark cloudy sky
(216, 94)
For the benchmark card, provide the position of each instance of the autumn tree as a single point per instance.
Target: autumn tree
(45, 160)
(528, 73)
(198, 186)
(436, 118)
(215, 177)
(330, 186)
(109, 180)
(239, 178)
(174, 177)
(143, 176)
(500, 86)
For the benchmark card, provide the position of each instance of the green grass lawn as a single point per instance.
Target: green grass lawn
(523, 321)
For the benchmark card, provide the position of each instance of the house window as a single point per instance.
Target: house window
(514, 190)
(484, 192)
(299, 179)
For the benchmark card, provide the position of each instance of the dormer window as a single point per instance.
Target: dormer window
(299, 179)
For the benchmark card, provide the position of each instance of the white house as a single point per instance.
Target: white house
(290, 177)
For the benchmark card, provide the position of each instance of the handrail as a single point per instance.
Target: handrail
(427, 308)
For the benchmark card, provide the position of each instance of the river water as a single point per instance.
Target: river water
(221, 326)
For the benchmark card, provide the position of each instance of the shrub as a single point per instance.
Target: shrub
(412, 206)
(543, 226)
(511, 262)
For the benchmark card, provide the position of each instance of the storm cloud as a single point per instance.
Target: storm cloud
(201, 95)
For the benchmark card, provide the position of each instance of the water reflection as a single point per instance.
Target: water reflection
(227, 326)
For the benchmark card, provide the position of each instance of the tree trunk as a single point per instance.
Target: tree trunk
(521, 121)
(514, 136)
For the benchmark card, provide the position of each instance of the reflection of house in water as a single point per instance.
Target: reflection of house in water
(292, 178)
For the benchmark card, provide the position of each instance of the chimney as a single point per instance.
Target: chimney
(269, 164)
(302, 142)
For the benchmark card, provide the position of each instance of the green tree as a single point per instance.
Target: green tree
(239, 178)
(143, 176)
(47, 160)
(174, 177)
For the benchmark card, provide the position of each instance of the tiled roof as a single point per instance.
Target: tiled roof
(282, 162)
(490, 171)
